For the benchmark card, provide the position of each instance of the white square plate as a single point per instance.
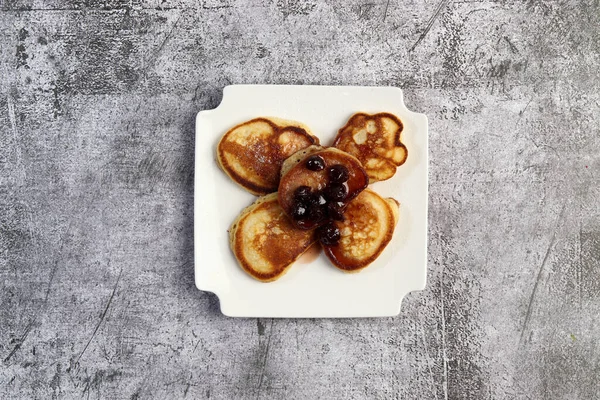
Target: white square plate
(314, 289)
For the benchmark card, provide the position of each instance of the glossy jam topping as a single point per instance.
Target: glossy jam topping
(324, 206)
(316, 191)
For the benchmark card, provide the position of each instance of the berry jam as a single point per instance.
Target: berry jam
(322, 207)
(315, 192)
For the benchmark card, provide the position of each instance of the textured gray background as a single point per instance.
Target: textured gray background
(97, 106)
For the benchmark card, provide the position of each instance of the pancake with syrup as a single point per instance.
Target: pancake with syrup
(367, 229)
(265, 242)
(376, 141)
(252, 153)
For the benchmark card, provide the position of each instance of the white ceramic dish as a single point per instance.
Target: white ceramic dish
(309, 289)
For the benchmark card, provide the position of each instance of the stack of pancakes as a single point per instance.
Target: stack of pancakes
(260, 155)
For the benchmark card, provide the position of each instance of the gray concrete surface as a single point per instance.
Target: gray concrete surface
(97, 106)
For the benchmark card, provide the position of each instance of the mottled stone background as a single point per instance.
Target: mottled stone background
(97, 107)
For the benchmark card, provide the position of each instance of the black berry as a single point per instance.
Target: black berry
(338, 174)
(335, 211)
(299, 211)
(302, 192)
(315, 163)
(329, 234)
(321, 199)
(316, 214)
(336, 192)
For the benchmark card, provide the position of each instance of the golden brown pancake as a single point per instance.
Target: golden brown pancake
(375, 140)
(252, 153)
(369, 225)
(265, 242)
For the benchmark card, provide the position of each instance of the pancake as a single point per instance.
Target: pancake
(367, 229)
(252, 153)
(265, 242)
(375, 140)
